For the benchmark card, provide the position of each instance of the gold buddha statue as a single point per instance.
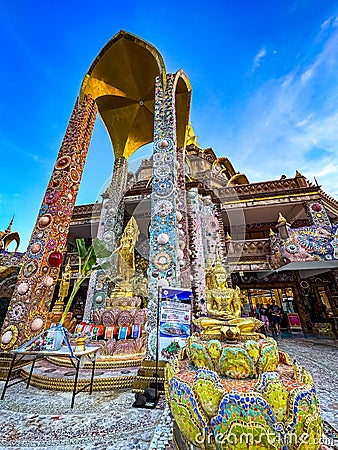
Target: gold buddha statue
(224, 306)
(125, 262)
(56, 313)
(63, 289)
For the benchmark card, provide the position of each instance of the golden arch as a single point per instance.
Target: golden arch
(121, 80)
(121, 85)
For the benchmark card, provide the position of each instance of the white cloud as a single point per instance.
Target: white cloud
(292, 122)
(326, 24)
(258, 58)
(302, 123)
(306, 76)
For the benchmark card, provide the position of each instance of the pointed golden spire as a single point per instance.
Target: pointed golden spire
(9, 228)
(218, 261)
(298, 174)
(218, 266)
(191, 138)
(281, 218)
(271, 233)
(228, 237)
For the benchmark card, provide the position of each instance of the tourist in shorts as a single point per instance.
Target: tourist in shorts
(274, 312)
(263, 315)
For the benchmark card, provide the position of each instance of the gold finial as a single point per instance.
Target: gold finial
(281, 218)
(191, 138)
(9, 228)
(298, 174)
(218, 266)
(271, 233)
(228, 237)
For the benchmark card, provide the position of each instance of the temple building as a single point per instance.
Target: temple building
(274, 242)
(278, 236)
(277, 239)
(162, 284)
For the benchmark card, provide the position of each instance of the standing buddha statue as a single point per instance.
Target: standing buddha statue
(63, 289)
(56, 313)
(125, 262)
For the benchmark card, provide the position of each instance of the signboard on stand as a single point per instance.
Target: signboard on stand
(175, 320)
(295, 325)
(294, 320)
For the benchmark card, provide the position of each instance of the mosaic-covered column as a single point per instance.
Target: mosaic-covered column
(28, 310)
(109, 231)
(212, 229)
(198, 258)
(164, 265)
(182, 221)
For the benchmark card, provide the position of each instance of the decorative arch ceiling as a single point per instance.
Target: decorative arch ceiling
(122, 82)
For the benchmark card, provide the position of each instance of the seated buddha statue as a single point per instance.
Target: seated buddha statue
(224, 306)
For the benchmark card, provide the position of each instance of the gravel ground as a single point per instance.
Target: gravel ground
(40, 419)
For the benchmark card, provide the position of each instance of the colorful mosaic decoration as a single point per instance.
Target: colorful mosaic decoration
(197, 251)
(182, 218)
(315, 243)
(109, 230)
(28, 310)
(244, 360)
(318, 214)
(211, 229)
(275, 408)
(167, 228)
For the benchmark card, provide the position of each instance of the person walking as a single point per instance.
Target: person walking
(263, 313)
(257, 310)
(274, 311)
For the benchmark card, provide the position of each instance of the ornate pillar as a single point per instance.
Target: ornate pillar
(164, 265)
(28, 310)
(197, 253)
(182, 221)
(109, 231)
(212, 230)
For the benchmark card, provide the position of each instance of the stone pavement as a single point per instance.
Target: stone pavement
(40, 419)
(321, 359)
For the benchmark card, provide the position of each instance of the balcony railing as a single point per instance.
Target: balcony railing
(266, 188)
(250, 248)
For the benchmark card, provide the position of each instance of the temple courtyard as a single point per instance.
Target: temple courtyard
(42, 419)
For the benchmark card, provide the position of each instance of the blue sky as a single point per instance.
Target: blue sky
(264, 77)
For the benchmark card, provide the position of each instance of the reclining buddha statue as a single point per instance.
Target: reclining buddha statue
(224, 307)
